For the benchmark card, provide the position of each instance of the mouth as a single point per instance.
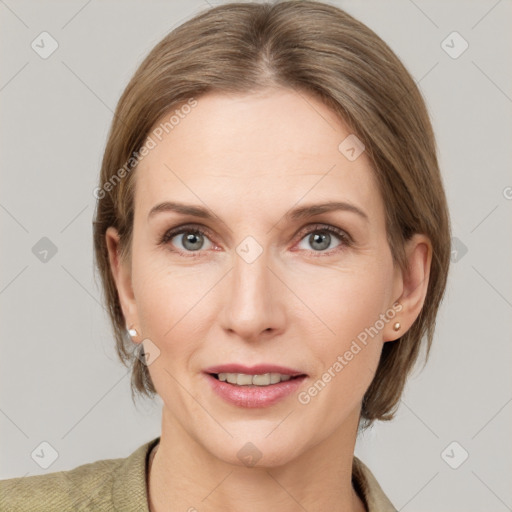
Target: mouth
(252, 387)
(258, 375)
(260, 380)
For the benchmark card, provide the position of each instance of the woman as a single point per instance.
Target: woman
(273, 240)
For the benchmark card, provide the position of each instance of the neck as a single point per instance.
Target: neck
(185, 476)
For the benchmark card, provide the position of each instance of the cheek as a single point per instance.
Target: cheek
(346, 363)
(167, 295)
(169, 311)
(348, 340)
(346, 302)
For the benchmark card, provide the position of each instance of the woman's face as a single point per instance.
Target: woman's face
(266, 281)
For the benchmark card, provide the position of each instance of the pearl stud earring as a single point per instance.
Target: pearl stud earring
(132, 332)
(397, 326)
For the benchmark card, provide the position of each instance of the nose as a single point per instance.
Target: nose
(254, 305)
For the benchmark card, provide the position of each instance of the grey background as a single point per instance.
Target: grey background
(60, 379)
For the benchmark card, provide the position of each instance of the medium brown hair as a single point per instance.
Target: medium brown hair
(310, 47)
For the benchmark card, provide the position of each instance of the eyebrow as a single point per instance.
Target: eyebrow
(311, 210)
(300, 213)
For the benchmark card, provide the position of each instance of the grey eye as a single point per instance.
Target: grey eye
(190, 241)
(319, 241)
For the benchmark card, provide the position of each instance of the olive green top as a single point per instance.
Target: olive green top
(121, 485)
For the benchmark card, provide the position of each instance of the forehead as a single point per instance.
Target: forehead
(276, 147)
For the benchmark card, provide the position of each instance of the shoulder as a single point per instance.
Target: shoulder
(369, 489)
(73, 489)
(102, 485)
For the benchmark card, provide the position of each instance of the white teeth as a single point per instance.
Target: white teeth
(275, 378)
(243, 379)
(230, 377)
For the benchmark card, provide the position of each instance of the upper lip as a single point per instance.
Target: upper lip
(258, 369)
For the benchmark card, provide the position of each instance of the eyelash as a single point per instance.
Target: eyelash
(344, 238)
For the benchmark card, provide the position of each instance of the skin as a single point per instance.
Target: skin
(251, 158)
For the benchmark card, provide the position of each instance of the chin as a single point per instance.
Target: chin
(255, 450)
(250, 455)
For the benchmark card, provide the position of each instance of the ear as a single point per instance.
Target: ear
(410, 286)
(121, 271)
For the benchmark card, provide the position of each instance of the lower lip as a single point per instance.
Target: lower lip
(254, 396)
